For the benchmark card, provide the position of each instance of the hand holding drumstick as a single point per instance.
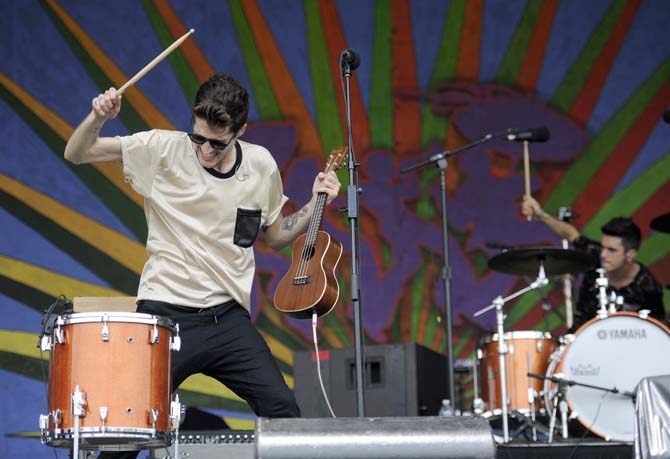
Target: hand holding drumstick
(108, 104)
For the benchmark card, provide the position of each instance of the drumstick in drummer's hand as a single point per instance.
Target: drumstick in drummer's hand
(526, 171)
(155, 62)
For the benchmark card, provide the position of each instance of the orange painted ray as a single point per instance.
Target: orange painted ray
(192, 53)
(467, 68)
(335, 42)
(603, 183)
(406, 111)
(590, 92)
(534, 58)
(145, 109)
(288, 96)
(64, 130)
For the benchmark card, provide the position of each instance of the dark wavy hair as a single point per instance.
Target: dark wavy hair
(223, 102)
(624, 228)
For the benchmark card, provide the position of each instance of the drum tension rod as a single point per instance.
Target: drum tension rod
(105, 328)
(103, 418)
(154, 335)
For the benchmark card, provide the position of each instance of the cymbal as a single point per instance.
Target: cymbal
(526, 261)
(661, 223)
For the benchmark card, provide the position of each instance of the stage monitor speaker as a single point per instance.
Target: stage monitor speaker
(224, 444)
(400, 380)
(375, 438)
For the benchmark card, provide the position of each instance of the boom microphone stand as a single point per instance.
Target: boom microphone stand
(349, 61)
(440, 159)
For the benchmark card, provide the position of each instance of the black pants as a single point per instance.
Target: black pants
(221, 342)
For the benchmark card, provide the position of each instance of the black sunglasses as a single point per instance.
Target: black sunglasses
(201, 140)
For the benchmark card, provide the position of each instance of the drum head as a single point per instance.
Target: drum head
(615, 352)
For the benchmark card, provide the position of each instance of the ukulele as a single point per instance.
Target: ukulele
(310, 285)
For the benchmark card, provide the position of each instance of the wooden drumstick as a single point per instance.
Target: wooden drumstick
(155, 62)
(526, 170)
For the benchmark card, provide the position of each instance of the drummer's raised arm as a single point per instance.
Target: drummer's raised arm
(564, 230)
(85, 144)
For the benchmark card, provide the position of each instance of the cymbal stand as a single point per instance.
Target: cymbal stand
(532, 396)
(602, 283)
(565, 215)
(498, 304)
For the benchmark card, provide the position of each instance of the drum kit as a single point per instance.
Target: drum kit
(109, 382)
(586, 378)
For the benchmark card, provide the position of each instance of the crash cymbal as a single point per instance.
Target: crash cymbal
(661, 223)
(526, 261)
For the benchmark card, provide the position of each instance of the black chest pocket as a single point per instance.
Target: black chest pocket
(247, 224)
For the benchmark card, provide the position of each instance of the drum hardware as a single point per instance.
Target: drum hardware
(78, 411)
(105, 328)
(565, 214)
(560, 403)
(154, 336)
(615, 350)
(103, 417)
(85, 349)
(498, 304)
(176, 416)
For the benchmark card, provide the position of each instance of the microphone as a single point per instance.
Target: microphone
(666, 115)
(351, 58)
(538, 134)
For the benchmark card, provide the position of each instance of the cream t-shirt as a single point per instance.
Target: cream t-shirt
(201, 228)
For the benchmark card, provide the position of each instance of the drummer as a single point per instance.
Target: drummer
(617, 251)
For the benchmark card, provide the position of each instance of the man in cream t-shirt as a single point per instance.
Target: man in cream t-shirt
(207, 195)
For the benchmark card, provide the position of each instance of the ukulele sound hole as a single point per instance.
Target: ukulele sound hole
(308, 253)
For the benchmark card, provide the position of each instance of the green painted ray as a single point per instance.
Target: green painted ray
(32, 298)
(325, 102)
(129, 213)
(463, 340)
(574, 79)
(129, 116)
(264, 96)
(434, 127)
(583, 169)
(117, 276)
(381, 97)
(632, 196)
(182, 70)
(508, 72)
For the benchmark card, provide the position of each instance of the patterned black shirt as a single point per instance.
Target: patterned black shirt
(643, 293)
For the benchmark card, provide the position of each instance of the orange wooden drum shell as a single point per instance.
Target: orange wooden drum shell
(126, 374)
(520, 345)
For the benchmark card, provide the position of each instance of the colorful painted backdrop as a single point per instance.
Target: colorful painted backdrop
(434, 75)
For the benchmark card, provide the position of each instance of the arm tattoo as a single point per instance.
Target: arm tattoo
(291, 221)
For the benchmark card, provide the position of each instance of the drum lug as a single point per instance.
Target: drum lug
(175, 344)
(175, 412)
(59, 337)
(154, 336)
(45, 343)
(154, 420)
(44, 428)
(105, 328)
(78, 402)
(643, 313)
(480, 354)
(103, 418)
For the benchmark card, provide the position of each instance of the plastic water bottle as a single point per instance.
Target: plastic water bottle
(445, 409)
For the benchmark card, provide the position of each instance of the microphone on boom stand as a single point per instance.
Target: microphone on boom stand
(349, 61)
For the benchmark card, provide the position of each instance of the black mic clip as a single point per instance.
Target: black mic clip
(538, 134)
(350, 59)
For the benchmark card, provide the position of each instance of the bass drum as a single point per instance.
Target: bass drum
(612, 352)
